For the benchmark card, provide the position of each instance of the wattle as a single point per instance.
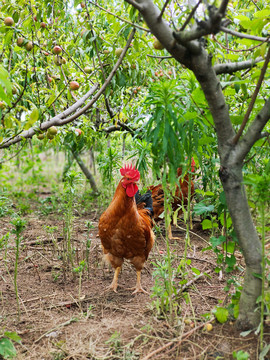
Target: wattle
(131, 190)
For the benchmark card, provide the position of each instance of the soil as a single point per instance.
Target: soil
(58, 320)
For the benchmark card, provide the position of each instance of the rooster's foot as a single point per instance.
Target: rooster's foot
(138, 290)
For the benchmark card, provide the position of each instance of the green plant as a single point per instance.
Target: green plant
(50, 230)
(50, 204)
(107, 164)
(164, 291)
(19, 224)
(7, 349)
(23, 207)
(5, 204)
(89, 225)
(4, 244)
(73, 178)
(115, 341)
(79, 270)
(241, 355)
(89, 313)
(55, 276)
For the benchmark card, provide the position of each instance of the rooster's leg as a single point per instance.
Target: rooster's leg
(138, 287)
(114, 284)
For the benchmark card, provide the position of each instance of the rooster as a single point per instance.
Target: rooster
(181, 193)
(125, 230)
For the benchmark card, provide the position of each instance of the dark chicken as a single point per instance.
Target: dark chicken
(181, 193)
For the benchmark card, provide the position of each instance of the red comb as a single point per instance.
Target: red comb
(130, 172)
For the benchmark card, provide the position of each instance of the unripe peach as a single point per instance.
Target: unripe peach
(157, 45)
(74, 85)
(118, 51)
(8, 21)
(57, 60)
(57, 50)
(20, 41)
(29, 46)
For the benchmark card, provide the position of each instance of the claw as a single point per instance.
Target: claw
(140, 290)
(114, 283)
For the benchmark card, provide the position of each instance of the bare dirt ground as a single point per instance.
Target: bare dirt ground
(57, 322)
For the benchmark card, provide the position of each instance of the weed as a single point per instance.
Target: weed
(241, 355)
(7, 349)
(115, 341)
(79, 270)
(72, 180)
(89, 225)
(50, 230)
(19, 225)
(5, 205)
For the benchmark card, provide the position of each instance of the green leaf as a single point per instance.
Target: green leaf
(8, 38)
(199, 96)
(202, 208)
(196, 271)
(221, 314)
(236, 311)
(230, 260)
(230, 246)
(208, 224)
(262, 13)
(246, 333)
(32, 119)
(5, 86)
(241, 355)
(7, 349)
(259, 276)
(217, 241)
(264, 352)
(13, 336)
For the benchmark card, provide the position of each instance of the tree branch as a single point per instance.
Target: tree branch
(223, 7)
(230, 68)
(211, 26)
(85, 170)
(253, 99)
(244, 36)
(190, 15)
(135, 4)
(160, 29)
(13, 156)
(254, 131)
(54, 121)
(163, 9)
(119, 17)
(119, 127)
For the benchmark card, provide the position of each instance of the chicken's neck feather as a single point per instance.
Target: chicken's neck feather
(121, 203)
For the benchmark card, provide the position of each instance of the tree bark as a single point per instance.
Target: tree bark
(232, 181)
(86, 172)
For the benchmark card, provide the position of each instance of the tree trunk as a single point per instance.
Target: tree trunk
(68, 164)
(92, 160)
(249, 313)
(86, 172)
